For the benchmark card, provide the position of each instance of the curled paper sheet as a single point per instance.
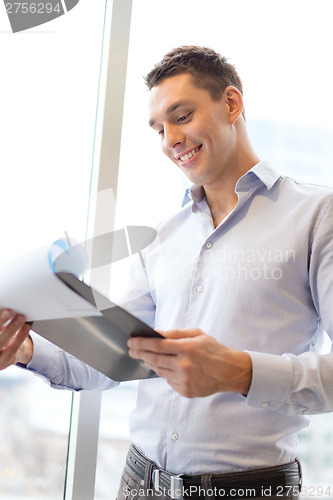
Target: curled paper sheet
(67, 255)
(30, 286)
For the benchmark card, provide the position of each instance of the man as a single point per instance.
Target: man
(241, 287)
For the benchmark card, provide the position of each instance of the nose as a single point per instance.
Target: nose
(172, 137)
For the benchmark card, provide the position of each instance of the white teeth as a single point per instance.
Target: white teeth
(189, 155)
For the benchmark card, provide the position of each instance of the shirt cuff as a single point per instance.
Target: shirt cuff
(272, 378)
(45, 356)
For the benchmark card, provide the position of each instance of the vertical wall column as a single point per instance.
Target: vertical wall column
(83, 443)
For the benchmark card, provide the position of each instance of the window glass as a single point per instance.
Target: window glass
(282, 52)
(34, 424)
(49, 89)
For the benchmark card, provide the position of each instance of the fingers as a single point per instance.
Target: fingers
(155, 361)
(149, 345)
(181, 334)
(173, 357)
(175, 342)
(5, 315)
(9, 325)
(13, 331)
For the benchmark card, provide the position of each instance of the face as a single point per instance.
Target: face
(196, 132)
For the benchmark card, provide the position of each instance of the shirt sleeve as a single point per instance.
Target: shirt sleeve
(62, 370)
(292, 384)
(302, 384)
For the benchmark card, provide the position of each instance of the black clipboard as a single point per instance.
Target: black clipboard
(99, 341)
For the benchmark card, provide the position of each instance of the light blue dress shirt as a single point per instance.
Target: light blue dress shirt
(262, 281)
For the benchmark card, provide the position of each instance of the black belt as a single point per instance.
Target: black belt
(281, 480)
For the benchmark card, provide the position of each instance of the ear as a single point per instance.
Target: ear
(234, 102)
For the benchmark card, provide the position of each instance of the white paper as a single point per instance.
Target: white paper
(29, 286)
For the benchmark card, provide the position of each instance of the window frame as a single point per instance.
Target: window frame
(84, 427)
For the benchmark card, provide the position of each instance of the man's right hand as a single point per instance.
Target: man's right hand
(15, 344)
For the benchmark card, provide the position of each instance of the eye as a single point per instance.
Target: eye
(183, 118)
(161, 132)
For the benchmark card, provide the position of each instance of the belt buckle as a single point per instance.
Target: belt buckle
(176, 492)
(156, 479)
(176, 484)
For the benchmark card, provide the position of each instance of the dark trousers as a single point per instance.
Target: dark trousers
(262, 484)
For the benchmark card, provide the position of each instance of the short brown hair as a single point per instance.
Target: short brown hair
(209, 69)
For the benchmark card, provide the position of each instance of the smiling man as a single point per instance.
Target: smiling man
(243, 301)
(205, 136)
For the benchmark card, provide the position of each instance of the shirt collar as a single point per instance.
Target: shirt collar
(262, 171)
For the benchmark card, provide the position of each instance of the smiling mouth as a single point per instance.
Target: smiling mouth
(190, 155)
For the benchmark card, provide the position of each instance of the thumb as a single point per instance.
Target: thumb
(181, 334)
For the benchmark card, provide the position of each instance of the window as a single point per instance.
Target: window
(49, 90)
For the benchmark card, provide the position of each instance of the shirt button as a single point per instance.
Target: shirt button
(209, 244)
(199, 288)
(174, 436)
(264, 404)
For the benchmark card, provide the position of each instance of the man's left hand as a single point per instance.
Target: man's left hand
(194, 363)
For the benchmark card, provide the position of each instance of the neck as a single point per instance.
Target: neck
(220, 195)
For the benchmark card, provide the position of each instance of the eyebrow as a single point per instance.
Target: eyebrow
(170, 109)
